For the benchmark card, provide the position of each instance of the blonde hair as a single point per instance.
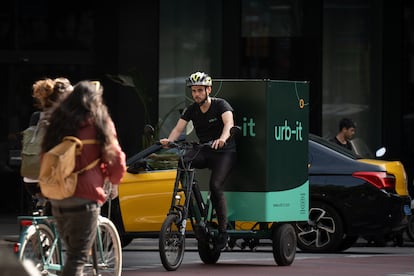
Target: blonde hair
(47, 91)
(42, 89)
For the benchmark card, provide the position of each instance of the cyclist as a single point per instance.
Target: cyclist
(212, 119)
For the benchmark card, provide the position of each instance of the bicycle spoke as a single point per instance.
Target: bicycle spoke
(171, 244)
(107, 249)
(40, 248)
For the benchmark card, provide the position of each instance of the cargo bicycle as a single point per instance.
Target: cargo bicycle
(188, 204)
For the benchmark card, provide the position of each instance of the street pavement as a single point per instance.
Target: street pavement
(9, 264)
(9, 229)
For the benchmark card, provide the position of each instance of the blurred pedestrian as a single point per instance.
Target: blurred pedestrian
(47, 93)
(346, 132)
(83, 114)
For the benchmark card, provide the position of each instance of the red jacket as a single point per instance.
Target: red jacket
(90, 182)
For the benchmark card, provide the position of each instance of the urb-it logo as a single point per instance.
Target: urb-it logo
(287, 133)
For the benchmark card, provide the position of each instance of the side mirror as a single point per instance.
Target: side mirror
(148, 136)
(380, 152)
(149, 130)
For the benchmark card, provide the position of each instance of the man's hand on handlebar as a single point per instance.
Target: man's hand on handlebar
(164, 142)
(218, 144)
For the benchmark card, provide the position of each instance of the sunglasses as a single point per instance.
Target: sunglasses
(97, 85)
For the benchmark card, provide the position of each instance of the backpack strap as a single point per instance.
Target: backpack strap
(89, 166)
(38, 125)
(90, 141)
(80, 143)
(94, 162)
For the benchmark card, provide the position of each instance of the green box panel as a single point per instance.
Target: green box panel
(288, 205)
(270, 180)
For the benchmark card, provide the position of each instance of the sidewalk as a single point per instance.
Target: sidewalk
(9, 230)
(9, 264)
(9, 233)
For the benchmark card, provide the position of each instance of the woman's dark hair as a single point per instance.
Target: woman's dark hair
(62, 87)
(83, 105)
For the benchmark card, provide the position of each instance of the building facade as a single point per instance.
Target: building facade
(357, 56)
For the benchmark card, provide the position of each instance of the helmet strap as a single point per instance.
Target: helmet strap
(203, 101)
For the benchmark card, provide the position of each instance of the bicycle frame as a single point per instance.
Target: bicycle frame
(173, 230)
(194, 207)
(40, 242)
(56, 245)
(39, 226)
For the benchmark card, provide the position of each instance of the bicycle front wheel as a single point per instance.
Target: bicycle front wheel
(108, 250)
(171, 243)
(39, 248)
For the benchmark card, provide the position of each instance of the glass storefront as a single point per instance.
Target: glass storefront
(336, 45)
(273, 47)
(190, 41)
(350, 73)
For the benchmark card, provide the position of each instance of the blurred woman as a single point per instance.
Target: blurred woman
(47, 94)
(84, 115)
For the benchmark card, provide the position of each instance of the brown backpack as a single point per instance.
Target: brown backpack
(57, 179)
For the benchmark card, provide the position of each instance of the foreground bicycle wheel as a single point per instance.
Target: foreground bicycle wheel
(108, 250)
(37, 248)
(171, 244)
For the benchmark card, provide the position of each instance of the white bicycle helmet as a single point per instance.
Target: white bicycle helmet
(199, 78)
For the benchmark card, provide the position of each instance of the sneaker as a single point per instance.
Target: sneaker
(221, 241)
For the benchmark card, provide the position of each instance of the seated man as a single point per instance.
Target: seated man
(346, 133)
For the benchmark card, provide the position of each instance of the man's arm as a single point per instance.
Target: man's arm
(175, 133)
(228, 122)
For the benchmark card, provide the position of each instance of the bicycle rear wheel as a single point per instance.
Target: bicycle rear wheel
(108, 250)
(37, 247)
(208, 253)
(171, 243)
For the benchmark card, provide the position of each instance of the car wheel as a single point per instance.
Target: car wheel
(323, 232)
(116, 218)
(125, 240)
(410, 227)
(347, 242)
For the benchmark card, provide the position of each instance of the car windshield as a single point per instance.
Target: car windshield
(333, 146)
(361, 149)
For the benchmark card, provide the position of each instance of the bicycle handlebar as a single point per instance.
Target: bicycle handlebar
(188, 145)
(234, 133)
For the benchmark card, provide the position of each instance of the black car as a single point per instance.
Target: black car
(350, 198)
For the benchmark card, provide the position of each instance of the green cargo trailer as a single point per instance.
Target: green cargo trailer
(270, 182)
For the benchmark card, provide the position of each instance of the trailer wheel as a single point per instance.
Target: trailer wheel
(284, 244)
(208, 253)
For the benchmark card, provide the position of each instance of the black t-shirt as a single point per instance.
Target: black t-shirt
(348, 145)
(208, 126)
